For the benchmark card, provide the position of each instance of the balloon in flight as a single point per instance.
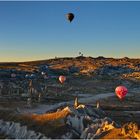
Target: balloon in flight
(121, 92)
(13, 75)
(70, 17)
(62, 79)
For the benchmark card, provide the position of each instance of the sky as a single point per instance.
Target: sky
(40, 30)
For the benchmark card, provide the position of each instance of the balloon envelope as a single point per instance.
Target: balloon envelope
(43, 73)
(121, 91)
(70, 16)
(13, 75)
(62, 78)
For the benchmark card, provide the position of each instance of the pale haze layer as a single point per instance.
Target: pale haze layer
(39, 30)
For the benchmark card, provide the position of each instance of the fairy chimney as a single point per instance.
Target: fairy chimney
(76, 102)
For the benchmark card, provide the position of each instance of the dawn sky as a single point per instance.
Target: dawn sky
(39, 30)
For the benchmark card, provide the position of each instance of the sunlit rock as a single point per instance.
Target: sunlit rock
(130, 130)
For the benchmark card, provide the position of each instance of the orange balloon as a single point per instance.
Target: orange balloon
(62, 79)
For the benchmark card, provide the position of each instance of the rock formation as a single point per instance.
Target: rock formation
(15, 130)
(130, 130)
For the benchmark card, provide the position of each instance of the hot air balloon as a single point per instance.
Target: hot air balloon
(70, 16)
(13, 75)
(62, 79)
(121, 92)
(43, 73)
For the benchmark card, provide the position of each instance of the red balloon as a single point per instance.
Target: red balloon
(121, 92)
(62, 79)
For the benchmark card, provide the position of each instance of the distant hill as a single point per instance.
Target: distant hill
(81, 64)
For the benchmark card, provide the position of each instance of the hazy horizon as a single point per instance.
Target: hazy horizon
(31, 31)
(62, 58)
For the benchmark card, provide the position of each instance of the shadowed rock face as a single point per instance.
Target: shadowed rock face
(15, 130)
(89, 122)
(81, 121)
(73, 69)
(110, 70)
